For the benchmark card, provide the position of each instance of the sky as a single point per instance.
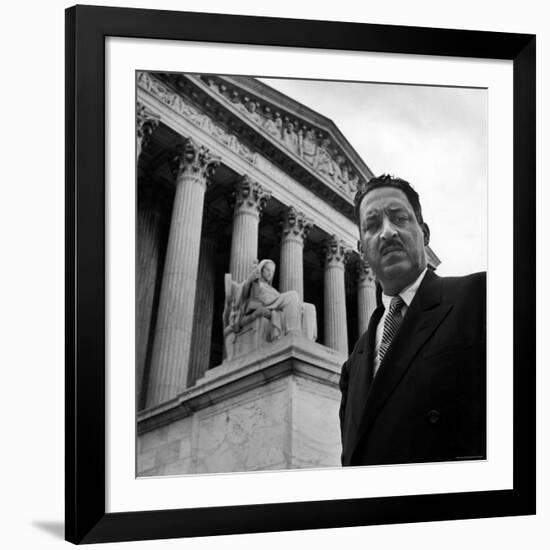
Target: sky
(433, 137)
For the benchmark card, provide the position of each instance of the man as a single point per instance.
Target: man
(413, 389)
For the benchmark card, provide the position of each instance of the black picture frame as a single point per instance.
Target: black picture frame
(86, 30)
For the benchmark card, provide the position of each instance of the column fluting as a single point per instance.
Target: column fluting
(250, 198)
(147, 257)
(335, 321)
(193, 166)
(204, 302)
(295, 227)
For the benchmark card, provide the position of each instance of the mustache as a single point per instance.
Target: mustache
(391, 247)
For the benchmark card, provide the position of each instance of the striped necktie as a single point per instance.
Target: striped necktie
(391, 324)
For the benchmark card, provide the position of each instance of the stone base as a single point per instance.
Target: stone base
(251, 337)
(276, 408)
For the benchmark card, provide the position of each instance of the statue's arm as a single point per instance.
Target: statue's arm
(252, 278)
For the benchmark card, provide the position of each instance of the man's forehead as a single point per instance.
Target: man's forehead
(384, 197)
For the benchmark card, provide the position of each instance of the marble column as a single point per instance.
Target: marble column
(250, 198)
(336, 331)
(147, 121)
(193, 166)
(147, 248)
(204, 302)
(366, 295)
(147, 257)
(295, 227)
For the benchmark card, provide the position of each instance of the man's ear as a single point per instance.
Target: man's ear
(426, 231)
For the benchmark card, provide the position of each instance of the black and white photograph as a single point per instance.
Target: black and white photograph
(274, 275)
(310, 274)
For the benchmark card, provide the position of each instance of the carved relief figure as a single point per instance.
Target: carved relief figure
(273, 125)
(353, 181)
(290, 137)
(252, 111)
(323, 160)
(338, 172)
(309, 147)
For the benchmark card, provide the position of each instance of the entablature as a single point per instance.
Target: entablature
(307, 153)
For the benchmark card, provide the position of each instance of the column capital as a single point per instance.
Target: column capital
(147, 121)
(364, 272)
(295, 224)
(194, 161)
(249, 196)
(335, 253)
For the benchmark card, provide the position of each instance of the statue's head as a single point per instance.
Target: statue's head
(267, 270)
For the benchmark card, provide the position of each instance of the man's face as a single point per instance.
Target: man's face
(392, 239)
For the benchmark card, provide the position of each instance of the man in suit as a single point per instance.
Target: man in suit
(414, 388)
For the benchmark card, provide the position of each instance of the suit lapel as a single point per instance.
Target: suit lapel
(425, 314)
(360, 379)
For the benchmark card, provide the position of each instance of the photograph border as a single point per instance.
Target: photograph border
(85, 408)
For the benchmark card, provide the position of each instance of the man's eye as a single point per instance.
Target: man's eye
(370, 225)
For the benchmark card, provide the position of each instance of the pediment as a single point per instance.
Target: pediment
(305, 144)
(255, 120)
(297, 129)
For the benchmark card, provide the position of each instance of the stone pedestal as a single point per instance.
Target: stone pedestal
(366, 295)
(172, 345)
(271, 410)
(250, 198)
(295, 227)
(336, 331)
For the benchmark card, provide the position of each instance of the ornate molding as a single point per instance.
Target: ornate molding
(193, 160)
(147, 121)
(295, 224)
(224, 118)
(297, 135)
(335, 253)
(249, 196)
(174, 100)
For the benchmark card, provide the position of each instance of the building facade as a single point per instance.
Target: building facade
(231, 172)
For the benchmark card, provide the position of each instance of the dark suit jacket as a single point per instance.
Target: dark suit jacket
(427, 401)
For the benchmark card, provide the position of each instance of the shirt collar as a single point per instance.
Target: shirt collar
(407, 294)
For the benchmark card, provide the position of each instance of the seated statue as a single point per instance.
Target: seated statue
(256, 313)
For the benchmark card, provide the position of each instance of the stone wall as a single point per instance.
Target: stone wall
(274, 410)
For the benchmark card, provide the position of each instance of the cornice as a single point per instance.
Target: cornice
(296, 129)
(300, 114)
(193, 99)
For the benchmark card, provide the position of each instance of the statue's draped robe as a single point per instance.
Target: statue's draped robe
(284, 307)
(287, 313)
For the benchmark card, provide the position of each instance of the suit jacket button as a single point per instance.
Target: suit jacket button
(433, 416)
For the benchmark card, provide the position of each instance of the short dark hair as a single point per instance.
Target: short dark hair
(385, 180)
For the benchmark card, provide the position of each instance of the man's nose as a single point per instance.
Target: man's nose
(387, 230)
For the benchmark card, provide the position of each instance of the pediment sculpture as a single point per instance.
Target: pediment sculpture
(256, 314)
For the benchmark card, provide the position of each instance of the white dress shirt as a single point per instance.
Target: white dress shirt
(407, 295)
